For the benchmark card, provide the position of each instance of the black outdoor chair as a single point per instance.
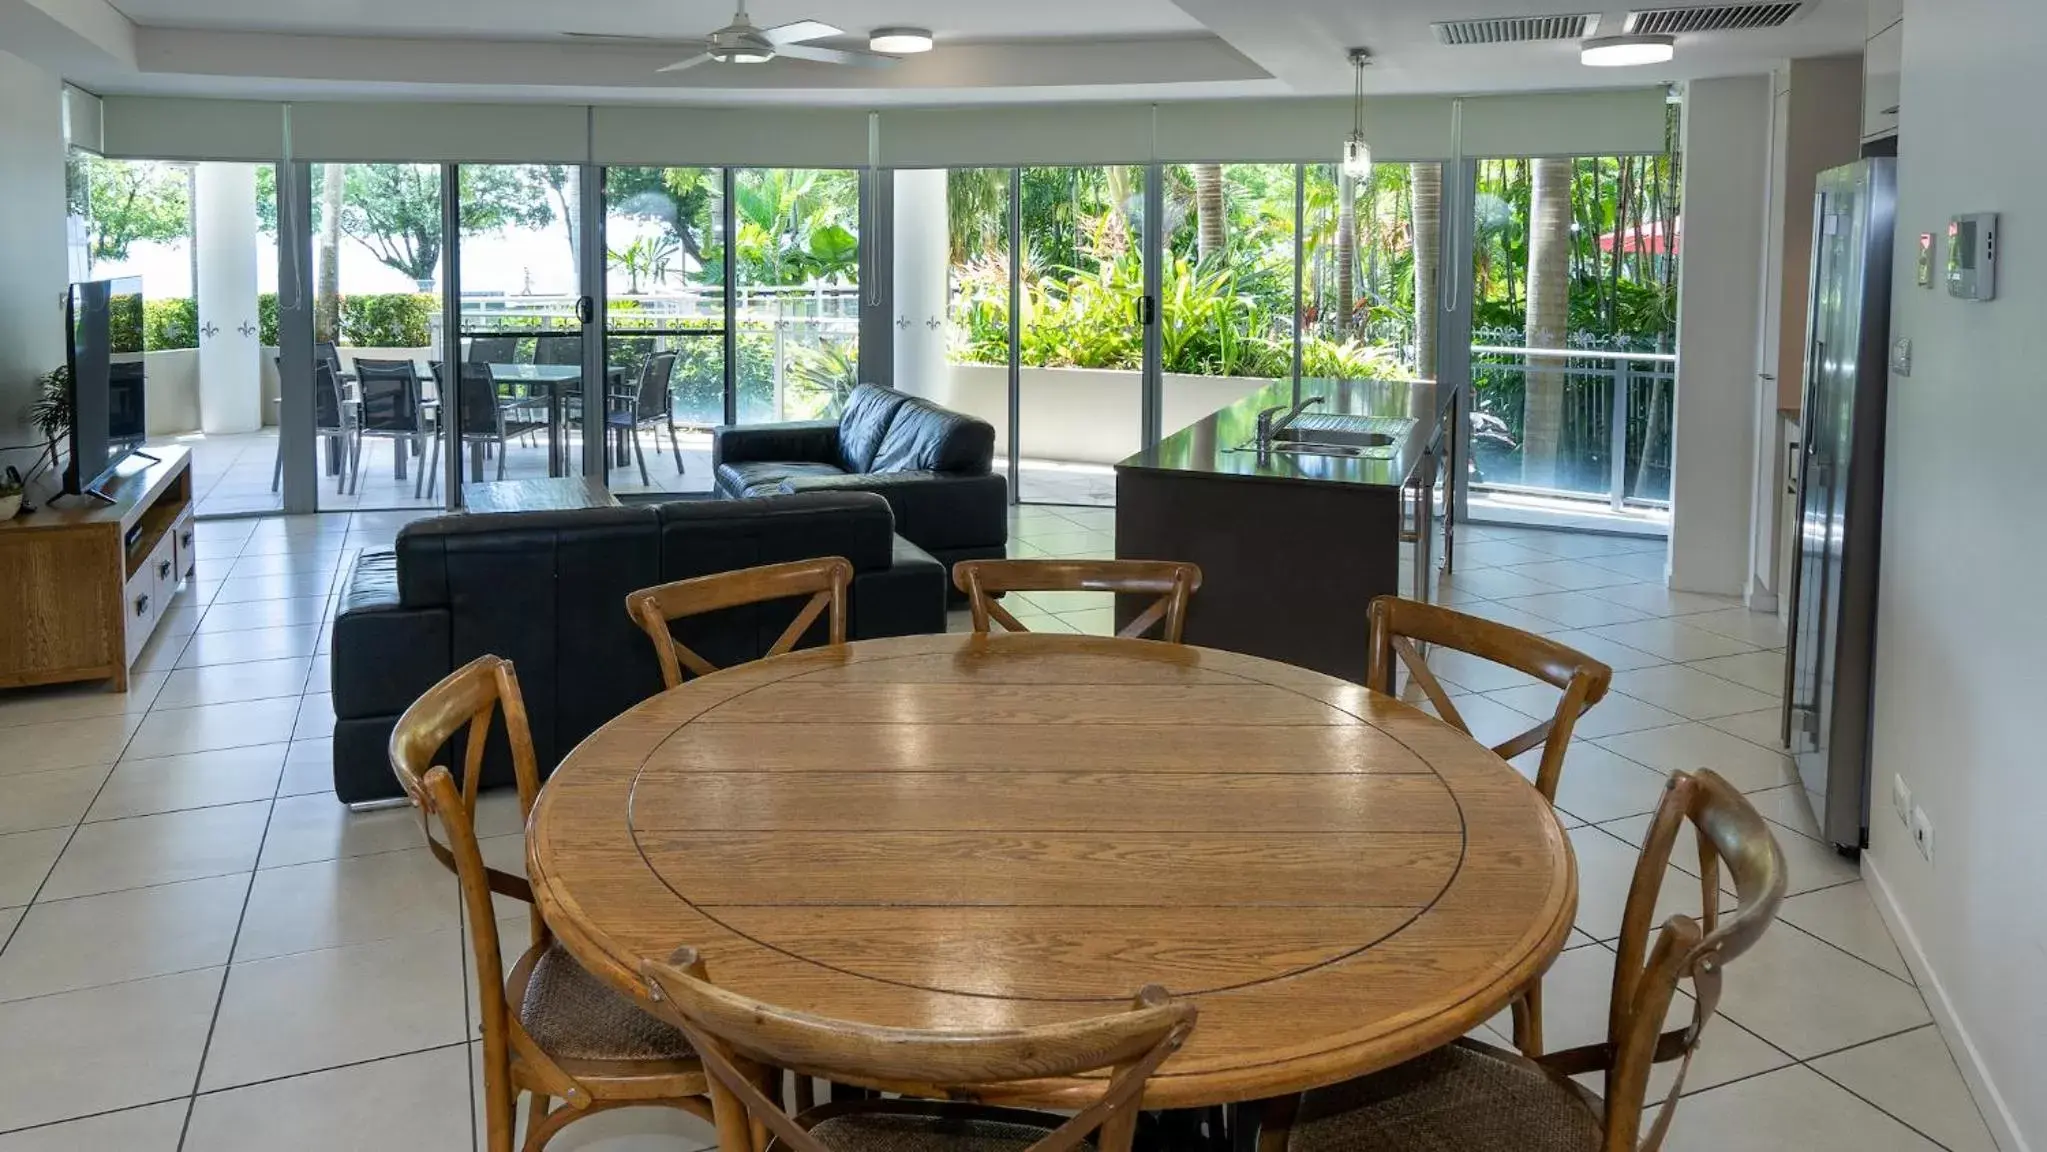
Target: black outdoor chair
(648, 404)
(494, 350)
(484, 415)
(393, 409)
(332, 417)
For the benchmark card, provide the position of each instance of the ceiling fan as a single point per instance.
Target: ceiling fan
(741, 42)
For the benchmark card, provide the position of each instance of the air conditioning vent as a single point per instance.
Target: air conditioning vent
(1711, 18)
(1516, 29)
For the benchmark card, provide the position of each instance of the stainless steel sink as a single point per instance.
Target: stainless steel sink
(1319, 438)
(1357, 437)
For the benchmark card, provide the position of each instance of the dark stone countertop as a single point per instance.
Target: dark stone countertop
(1209, 445)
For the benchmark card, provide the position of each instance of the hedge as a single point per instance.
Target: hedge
(388, 320)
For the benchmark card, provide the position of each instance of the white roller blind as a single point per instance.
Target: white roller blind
(1002, 136)
(1565, 123)
(473, 133)
(766, 137)
(82, 120)
(172, 128)
(1399, 128)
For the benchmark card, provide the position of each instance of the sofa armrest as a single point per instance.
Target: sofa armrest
(385, 654)
(811, 440)
(937, 510)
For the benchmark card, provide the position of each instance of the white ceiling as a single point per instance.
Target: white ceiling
(989, 51)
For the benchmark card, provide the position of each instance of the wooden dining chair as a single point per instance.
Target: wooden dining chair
(655, 609)
(746, 1043)
(1478, 1098)
(550, 1029)
(1398, 624)
(1173, 582)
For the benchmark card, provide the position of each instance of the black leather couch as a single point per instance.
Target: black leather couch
(547, 590)
(933, 465)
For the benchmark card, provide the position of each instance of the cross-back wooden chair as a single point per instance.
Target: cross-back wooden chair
(745, 1044)
(824, 580)
(1173, 582)
(1397, 626)
(1478, 1098)
(550, 1029)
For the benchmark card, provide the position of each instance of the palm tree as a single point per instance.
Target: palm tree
(1549, 318)
(1346, 254)
(1425, 182)
(327, 288)
(1211, 232)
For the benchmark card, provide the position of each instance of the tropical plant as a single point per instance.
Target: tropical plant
(824, 375)
(51, 410)
(125, 201)
(170, 323)
(648, 257)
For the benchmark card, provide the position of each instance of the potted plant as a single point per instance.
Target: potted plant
(10, 493)
(51, 415)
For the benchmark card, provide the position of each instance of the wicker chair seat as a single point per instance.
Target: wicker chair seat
(1464, 1098)
(573, 1015)
(925, 1126)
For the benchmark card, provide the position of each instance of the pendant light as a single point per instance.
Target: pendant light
(1357, 151)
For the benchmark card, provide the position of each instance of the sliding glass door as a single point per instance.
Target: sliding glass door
(796, 264)
(664, 324)
(1226, 308)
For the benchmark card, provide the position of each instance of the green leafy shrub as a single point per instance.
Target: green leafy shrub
(170, 323)
(392, 320)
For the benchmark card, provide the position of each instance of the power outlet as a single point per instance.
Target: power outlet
(1901, 799)
(1922, 833)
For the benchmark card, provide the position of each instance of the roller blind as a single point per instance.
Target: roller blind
(82, 120)
(1002, 136)
(474, 133)
(766, 137)
(174, 128)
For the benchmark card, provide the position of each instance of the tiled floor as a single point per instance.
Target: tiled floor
(203, 951)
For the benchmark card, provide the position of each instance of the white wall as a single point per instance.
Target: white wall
(33, 261)
(1960, 624)
(1720, 285)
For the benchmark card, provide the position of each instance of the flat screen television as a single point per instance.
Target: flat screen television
(107, 380)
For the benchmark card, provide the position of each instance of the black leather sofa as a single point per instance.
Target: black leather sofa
(933, 465)
(547, 590)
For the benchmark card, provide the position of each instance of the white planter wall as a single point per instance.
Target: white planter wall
(1083, 415)
(174, 383)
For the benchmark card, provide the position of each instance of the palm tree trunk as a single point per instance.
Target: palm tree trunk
(1208, 210)
(1549, 319)
(1426, 184)
(1346, 255)
(327, 284)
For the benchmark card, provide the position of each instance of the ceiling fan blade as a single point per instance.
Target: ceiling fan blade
(837, 56)
(692, 62)
(800, 31)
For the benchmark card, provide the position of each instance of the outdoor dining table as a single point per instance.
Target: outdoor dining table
(980, 832)
(559, 381)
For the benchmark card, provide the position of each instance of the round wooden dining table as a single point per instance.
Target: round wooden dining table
(980, 832)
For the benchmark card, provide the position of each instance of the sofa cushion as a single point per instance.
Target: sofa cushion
(699, 537)
(925, 437)
(765, 477)
(862, 425)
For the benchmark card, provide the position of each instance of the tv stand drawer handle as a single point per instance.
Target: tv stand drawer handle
(141, 604)
(163, 569)
(186, 539)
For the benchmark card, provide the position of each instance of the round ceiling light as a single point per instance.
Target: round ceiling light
(1627, 51)
(902, 41)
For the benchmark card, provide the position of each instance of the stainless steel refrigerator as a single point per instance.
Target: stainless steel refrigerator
(1830, 657)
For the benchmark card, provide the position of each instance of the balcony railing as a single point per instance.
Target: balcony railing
(1608, 426)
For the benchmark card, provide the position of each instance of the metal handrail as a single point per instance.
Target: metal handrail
(1576, 353)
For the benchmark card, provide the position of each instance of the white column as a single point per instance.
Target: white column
(922, 245)
(230, 355)
(1720, 285)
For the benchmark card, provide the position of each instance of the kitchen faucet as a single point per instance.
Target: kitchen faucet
(1267, 426)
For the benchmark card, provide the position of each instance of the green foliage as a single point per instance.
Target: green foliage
(124, 201)
(51, 411)
(821, 378)
(170, 323)
(648, 257)
(394, 320)
(795, 226)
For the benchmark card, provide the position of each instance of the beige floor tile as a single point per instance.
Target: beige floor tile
(334, 903)
(1470, 673)
(293, 563)
(1648, 566)
(287, 643)
(319, 827)
(1762, 671)
(297, 612)
(144, 787)
(315, 717)
(1575, 609)
(176, 731)
(25, 859)
(9, 917)
(1498, 553)
(1691, 694)
(1489, 721)
(1598, 785)
(53, 799)
(1913, 1077)
(80, 1053)
(1060, 603)
(155, 1128)
(1764, 727)
(1655, 599)
(1574, 575)
(1788, 806)
(1690, 747)
(1673, 640)
(132, 853)
(1613, 654)
(625, 1130)
(321, 677)
(1494, 583)
(161, 652)
(1808, 997)
(1091, 621)
(1500, 613)
(308, 768)
(78, 701)
(239, 589)
(408, 1102)
(233, 683)
(1606, 871)
(1792, 1108)
(65, 945)
(1586, 545)
(1615, 714)
(1761, 629)
(1845, 917)
(65, 743)
(314, 1010)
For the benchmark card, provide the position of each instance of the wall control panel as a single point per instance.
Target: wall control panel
(1972, 256)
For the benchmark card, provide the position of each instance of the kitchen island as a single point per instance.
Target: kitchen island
(1295, 515)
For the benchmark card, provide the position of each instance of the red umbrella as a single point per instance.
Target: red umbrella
(1648, 239)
